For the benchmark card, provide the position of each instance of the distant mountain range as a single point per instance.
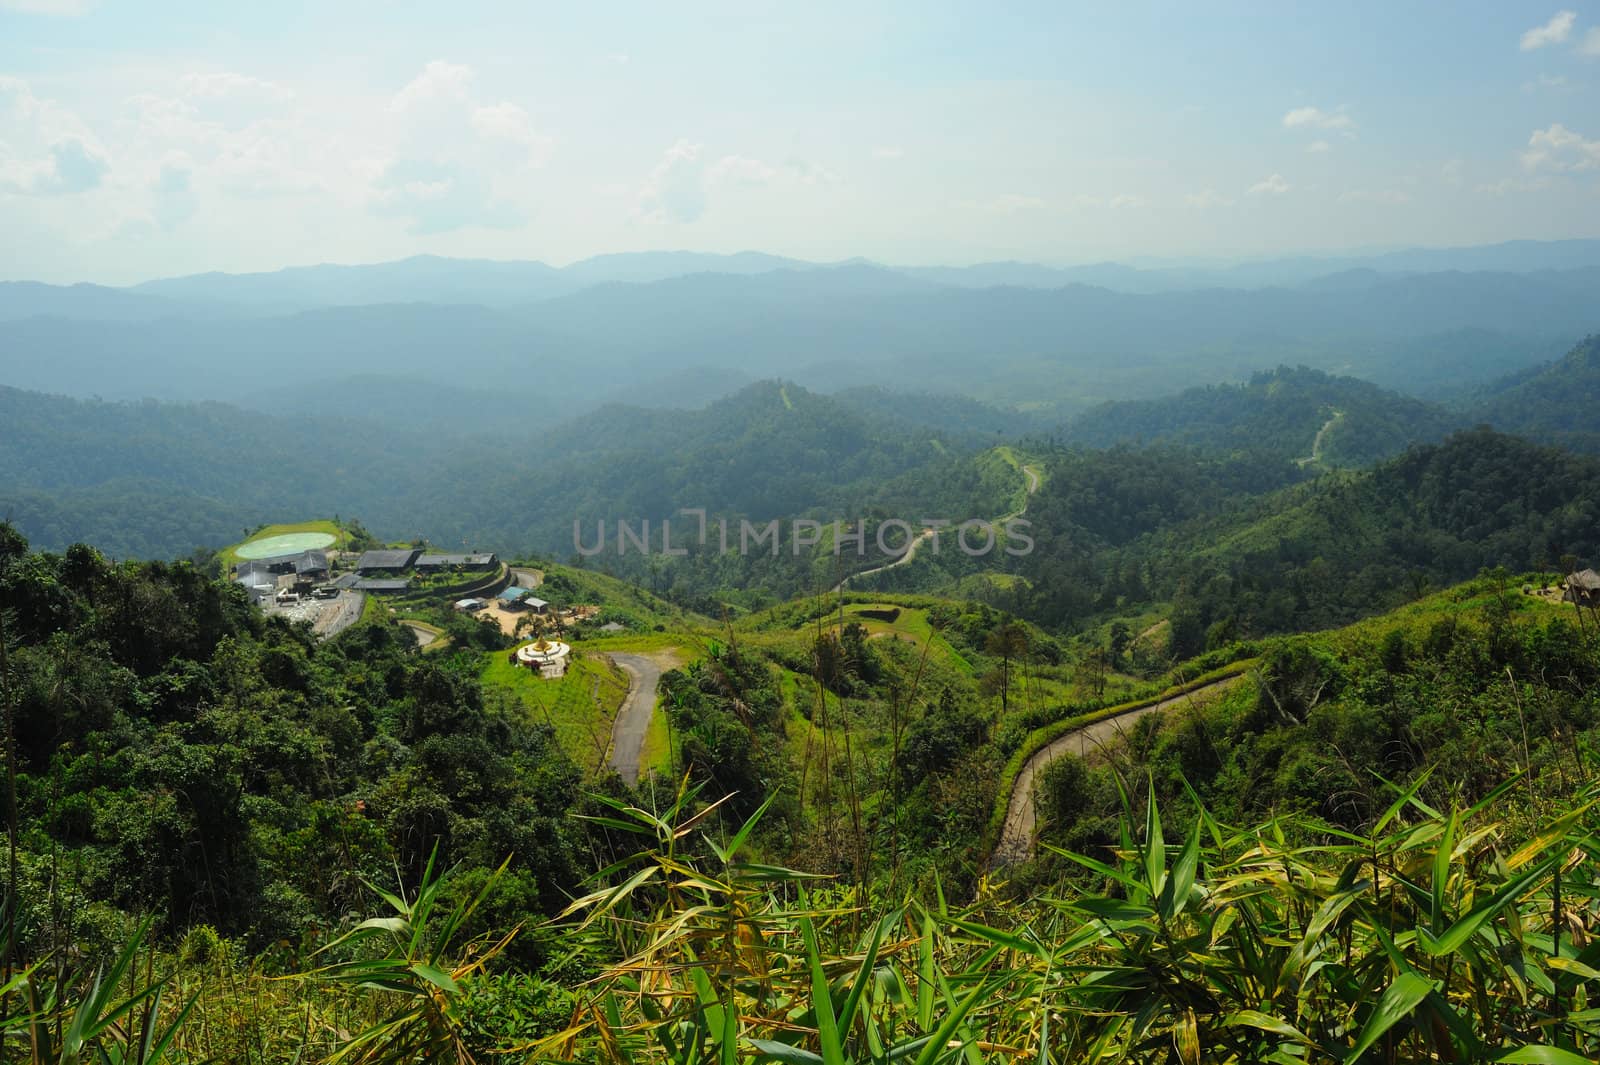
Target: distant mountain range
(496, 283)
(155, 479)
(688, 338)
(1326, 421)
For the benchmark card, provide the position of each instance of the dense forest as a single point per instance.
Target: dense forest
(1297, 414)
(230, 797)
(180, 756)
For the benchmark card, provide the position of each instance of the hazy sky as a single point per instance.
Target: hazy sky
(149, 139)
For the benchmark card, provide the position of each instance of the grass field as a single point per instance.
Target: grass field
(230, 556)
(580, 706)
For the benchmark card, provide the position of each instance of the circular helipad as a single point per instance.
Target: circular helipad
(283, 544)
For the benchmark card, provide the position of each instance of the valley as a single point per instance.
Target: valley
(1291, 606)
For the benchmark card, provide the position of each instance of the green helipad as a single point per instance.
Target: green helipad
(283, 544)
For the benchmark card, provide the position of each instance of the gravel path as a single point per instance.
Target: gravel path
(1017, 838)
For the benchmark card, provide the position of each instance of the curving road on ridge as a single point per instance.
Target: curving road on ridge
(1021, 828)
(927, 534)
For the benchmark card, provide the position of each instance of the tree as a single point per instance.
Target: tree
(1008, 642)
(1121, 637)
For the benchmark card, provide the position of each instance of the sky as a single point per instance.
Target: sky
(149, 139)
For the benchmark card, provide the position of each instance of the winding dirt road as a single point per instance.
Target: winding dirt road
(1321, 439)
(1022, 826)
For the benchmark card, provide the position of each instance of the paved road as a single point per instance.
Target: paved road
(633, 720)
(927, 534)
(1017, 838)
(911, 553)
(424, 636)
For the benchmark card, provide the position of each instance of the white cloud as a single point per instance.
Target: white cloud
(1318, 147)
(1316, 118)
(1126, 200)
(58, 8)
(264, 161)
(1560, 149)
(1453, 171)
(1508, 185)
(440, 197)
(1545, 81)
(680, 187)
(172, 193)
(888, 151)
(1005, 203)
(70, 167)
(510, 123)
(1207, 199)
(1272, 185)
(1556, 31)
(675, 190)
(809, 173)
(453, 161)
(741, 169)
(227, 84)
(1387, 197)
(1591, 43)
(45, 150)
(439, 82)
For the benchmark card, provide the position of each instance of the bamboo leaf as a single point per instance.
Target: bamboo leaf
(1464, 928)
(790, 1055)
(1155, 848)
(1397, 1003)
(1175, 893)
(1266, 1023)
(1542, 1055)
(822, 998)
(435, 976)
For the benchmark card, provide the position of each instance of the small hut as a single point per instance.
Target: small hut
(1583, 588)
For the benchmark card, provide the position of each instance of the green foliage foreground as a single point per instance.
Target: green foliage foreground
(1461, 935)
(1439, 936)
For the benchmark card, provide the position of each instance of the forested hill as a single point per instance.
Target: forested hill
(1558, 403)
(155, 480)
(1238, 554)
(1300, 414)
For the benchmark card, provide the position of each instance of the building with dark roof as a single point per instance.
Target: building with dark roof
(402, 559)
(455, 561)
(382, 585)
(258, 571)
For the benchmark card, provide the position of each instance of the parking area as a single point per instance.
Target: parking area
(327, 616)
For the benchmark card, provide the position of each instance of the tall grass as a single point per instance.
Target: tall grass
(1462, 935)
(1439, 936)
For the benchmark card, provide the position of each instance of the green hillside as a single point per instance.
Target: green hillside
(1558, 403)
(1303, 415)
(181, 757)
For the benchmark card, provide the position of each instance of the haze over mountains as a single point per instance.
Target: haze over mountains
(683, 328)
(424, 393)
